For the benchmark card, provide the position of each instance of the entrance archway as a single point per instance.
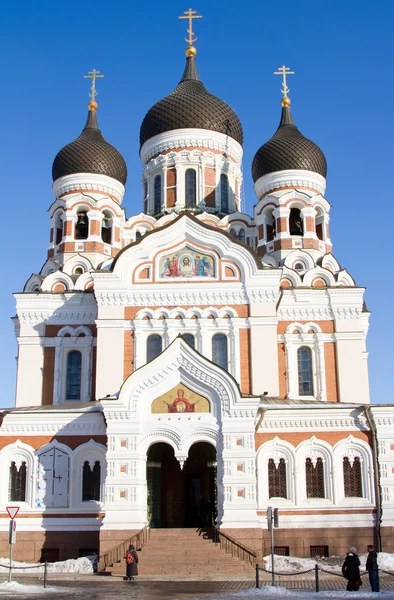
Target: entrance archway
(181, 497)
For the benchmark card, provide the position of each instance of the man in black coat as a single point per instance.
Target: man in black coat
(372, 568)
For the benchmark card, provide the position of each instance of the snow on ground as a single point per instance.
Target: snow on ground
(272, 593)
(12, 589)
(78, 565)
(289, 564)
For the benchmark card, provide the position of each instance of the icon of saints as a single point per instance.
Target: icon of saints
(181, 404)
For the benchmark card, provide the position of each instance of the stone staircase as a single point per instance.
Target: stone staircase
(183, 552)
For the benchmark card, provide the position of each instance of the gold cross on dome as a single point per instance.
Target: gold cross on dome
(190, 14)
(284, 71)
(93, 75)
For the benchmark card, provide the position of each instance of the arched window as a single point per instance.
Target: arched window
(157, 194)
(314, 474)
(219, 350)
(58, 229)
(190, 188)
(233, 232)
(319, 223)
(305, 376)
(224, 193)
(295, 222)
(241, 235)
(106, 228)
(352, 478)
(138, 235)
(277, 479)
(82, 226)
(189, 338)
(91, 481)
(17, 483)
(154, 347)
(73, 381)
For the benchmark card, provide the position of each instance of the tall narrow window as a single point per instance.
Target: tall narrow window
(224, 193)
(352, 478)
(314, 478)
(241, 235)
(17, 483)
(190, 188)
(277, 479)
(154, 347)
(305, 375)
(106, 228)
(58, 227)
(157, 194)
(91, 482)
(82, 226)
(73, 382)
(189, 338)
(295, 222)
(219, 350)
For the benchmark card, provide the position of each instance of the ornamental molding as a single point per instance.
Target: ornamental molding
(346, 312)
(33, 317)
(191, 138)
(88, 181)
(305, 313)
(50, 427)
(291, 178)
(286, 424)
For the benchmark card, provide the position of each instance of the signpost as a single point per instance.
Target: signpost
(273, 521)
(12, 512)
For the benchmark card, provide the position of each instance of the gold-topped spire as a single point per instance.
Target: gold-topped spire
(284, 71)
(190, 14)
(93, 75)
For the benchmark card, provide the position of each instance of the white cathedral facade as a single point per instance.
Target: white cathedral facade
(193, 351)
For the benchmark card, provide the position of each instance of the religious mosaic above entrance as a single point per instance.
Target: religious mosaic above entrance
(187, 263)
(180, 400)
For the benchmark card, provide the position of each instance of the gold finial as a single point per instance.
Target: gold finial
(190, 14)
(93, 75)
(284, 71)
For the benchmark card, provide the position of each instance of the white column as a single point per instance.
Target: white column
(321, 370)
(291, 364)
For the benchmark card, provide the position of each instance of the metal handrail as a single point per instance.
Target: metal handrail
(231, 546)
(116, 554)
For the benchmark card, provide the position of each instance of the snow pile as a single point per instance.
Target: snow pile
(15, 588)
(280, 592)
(292, 564)
(73, 565)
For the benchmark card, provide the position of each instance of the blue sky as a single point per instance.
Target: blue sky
(342, 92)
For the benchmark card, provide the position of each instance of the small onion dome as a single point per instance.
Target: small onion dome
(288, 149)
(191, 106)
(90, 153)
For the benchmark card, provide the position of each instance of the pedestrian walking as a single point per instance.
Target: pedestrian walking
(351, 570)
(131, 563)
(372, 568)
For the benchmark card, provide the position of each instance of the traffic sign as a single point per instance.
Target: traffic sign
(12, 511)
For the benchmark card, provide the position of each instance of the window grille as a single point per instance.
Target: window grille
(91, 482)
(314, 478)
(157, 194)
(319, 551)
(49, 555)
(224, 193)
(282, 550)
(73, 382)
(17, 483)
(220, 350)
(305, 376)
(154, 347)
(190, 188)
(352, 478)
(277, 479)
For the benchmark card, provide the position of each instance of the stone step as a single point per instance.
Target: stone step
(184, 570)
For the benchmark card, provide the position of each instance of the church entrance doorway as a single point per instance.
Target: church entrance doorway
(181, 497)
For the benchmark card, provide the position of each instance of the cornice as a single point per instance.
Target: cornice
(33, 317)
(291, 178)
(88, 181)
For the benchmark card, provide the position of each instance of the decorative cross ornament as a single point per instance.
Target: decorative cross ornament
(190, 14)
(93, 75)
(284, 71)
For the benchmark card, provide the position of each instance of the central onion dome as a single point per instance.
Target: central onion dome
(191, 106)
(288, 149)
(90, 153)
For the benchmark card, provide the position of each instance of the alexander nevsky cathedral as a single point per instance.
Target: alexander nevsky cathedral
(193, 352)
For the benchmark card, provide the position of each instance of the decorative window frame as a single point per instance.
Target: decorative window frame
(315, 341)
(314, 448)
(275, 449)
(64, 345)
(352, 447)
(90, 452)
(17, 452)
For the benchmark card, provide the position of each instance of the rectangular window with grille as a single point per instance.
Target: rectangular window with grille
(49, 555)
(282, 550)
(277, 479)
(352, 478)
(319, 551)
(314, 474)
(17, 483)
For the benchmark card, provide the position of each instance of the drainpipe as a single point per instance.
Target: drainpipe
(261, 412)
(378, 487)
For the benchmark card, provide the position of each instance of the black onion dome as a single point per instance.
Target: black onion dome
(288, 149)
(90, 153)
(191, 106)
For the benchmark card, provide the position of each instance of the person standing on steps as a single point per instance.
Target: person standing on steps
(131, 563)
(372, 568)
(351, 570)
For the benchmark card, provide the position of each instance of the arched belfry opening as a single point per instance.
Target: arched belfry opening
(181, 495)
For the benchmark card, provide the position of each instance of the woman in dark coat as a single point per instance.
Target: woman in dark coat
(131, 567)
(351, 570)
